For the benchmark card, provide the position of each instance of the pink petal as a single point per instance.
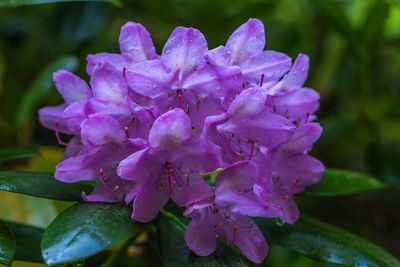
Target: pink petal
(140, 165)
(246, 41)
(48, 116)
(71, 87)
(191, 190)
(298, 73)
(218, 56)
(135, 41)
(266, 129)
(149, 201)
(213, 80)
(99, 130)
(297, 103)
(118, 61)
(303, 138)
(200, 234)
(270, 63)
(108, 84)
(248, 237)
(76, 169)
(100, 194)
(150, 78)
(73, 149)
(239, 176)
(197, 155)
(248, 103)
(290, 212)
(75, 113)
(184, 50)
(170, 129)
(289, 167)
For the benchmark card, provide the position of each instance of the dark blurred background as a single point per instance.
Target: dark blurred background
(354, 46)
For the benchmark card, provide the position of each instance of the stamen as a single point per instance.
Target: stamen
(104, 183)
(307, 117)
(161, 186)
(180, 101)
(124, 73)
(197, 99)
(58, 136)
(228, 146)
(126, 131)
(179, 94)
(239, 154)
(187, 179)
(262, 80)
(293, 192)
(234, 234)
(251, 149)
(170, 180)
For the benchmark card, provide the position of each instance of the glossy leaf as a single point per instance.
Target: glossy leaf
(7, 245)
(28, 242)
(341, 182)
(41, 87)
(321, 241)
(41, 184)
(17, 153)
(175, 252)
(86, 229)
(15, 3)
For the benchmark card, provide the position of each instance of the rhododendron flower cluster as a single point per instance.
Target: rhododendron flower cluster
(149, 125)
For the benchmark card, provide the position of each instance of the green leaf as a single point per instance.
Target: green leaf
(86, 229)
(322, 241)
(334, 15)
(41, 184)
(373, 27)
(175, 252)
(15, 3)
(41, 87)
(28, 242)
(211, 177)
(7, 245)
(17, 153)
(341, 182)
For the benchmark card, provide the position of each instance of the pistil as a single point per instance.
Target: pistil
(58, 136)
(103, 181)
(170, 181)
(262, 80)
(251, 149)
(293, 192)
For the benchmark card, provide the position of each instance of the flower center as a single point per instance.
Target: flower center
(296, 184)
(103, 179)
(174, 177)
(238, 147)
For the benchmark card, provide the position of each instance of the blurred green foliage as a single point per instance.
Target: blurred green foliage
(354, 47)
